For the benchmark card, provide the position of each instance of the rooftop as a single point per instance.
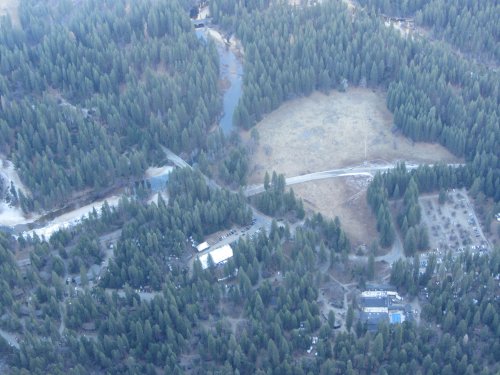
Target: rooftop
(374, 302)
(202, 246)
(374, 294)
(376, 310)
(219, 255)
(381, 305)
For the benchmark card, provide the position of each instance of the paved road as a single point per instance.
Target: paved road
(264, 221)
(181, 163)
(396, 252)
(363, 170)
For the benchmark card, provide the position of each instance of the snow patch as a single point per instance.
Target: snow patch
(158, 171)
(8, 173)
(11, 216)
(72, 218)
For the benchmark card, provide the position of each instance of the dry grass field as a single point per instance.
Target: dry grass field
(343, 197)
(324, 132)
(10, 7)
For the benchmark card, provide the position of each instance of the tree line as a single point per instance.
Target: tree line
(274, 296)
(276, 201)
(401, 183)
(435, 95)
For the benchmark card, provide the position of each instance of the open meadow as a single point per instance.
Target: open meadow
(323, 132)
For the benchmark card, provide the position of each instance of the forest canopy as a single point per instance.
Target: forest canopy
(471, 26)
(435, 95)
(91, 90)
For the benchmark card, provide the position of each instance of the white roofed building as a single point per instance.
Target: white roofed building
(202, 246)
(219, 256)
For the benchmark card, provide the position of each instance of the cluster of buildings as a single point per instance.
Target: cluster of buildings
(219, 256)
(379, 306)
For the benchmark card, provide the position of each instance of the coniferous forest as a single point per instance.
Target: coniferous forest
(435, 96)
(91, 91)
(91, 94)
(469, 25)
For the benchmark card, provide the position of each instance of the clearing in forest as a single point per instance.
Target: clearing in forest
(344, 197)
(10, 7)
(323, 132)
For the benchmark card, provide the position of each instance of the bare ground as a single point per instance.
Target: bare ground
(345, 198)
(324, 132)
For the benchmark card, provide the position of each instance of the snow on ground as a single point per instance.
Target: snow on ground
(234, 43)
(9, 173)
(72, 218)
(217, 36)
(158, 171)
(204, 13)
(11, 216)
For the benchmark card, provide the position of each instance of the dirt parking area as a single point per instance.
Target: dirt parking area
(324, 132)
(452, 225)
(343, 197)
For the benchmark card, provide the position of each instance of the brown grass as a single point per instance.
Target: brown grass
(324, 132)
(345, 198)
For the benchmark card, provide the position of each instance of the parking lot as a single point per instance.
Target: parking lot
(259, 223)
(452, 225)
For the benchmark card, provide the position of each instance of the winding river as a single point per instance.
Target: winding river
(231, 74)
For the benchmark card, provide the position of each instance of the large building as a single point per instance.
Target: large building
(219, 256)
(381, 305)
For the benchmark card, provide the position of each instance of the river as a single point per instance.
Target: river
(231, 74)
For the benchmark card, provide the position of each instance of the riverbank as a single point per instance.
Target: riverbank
(231, 73)
(45, 224)
(73, 217)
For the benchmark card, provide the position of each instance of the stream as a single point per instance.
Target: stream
(231, 76)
